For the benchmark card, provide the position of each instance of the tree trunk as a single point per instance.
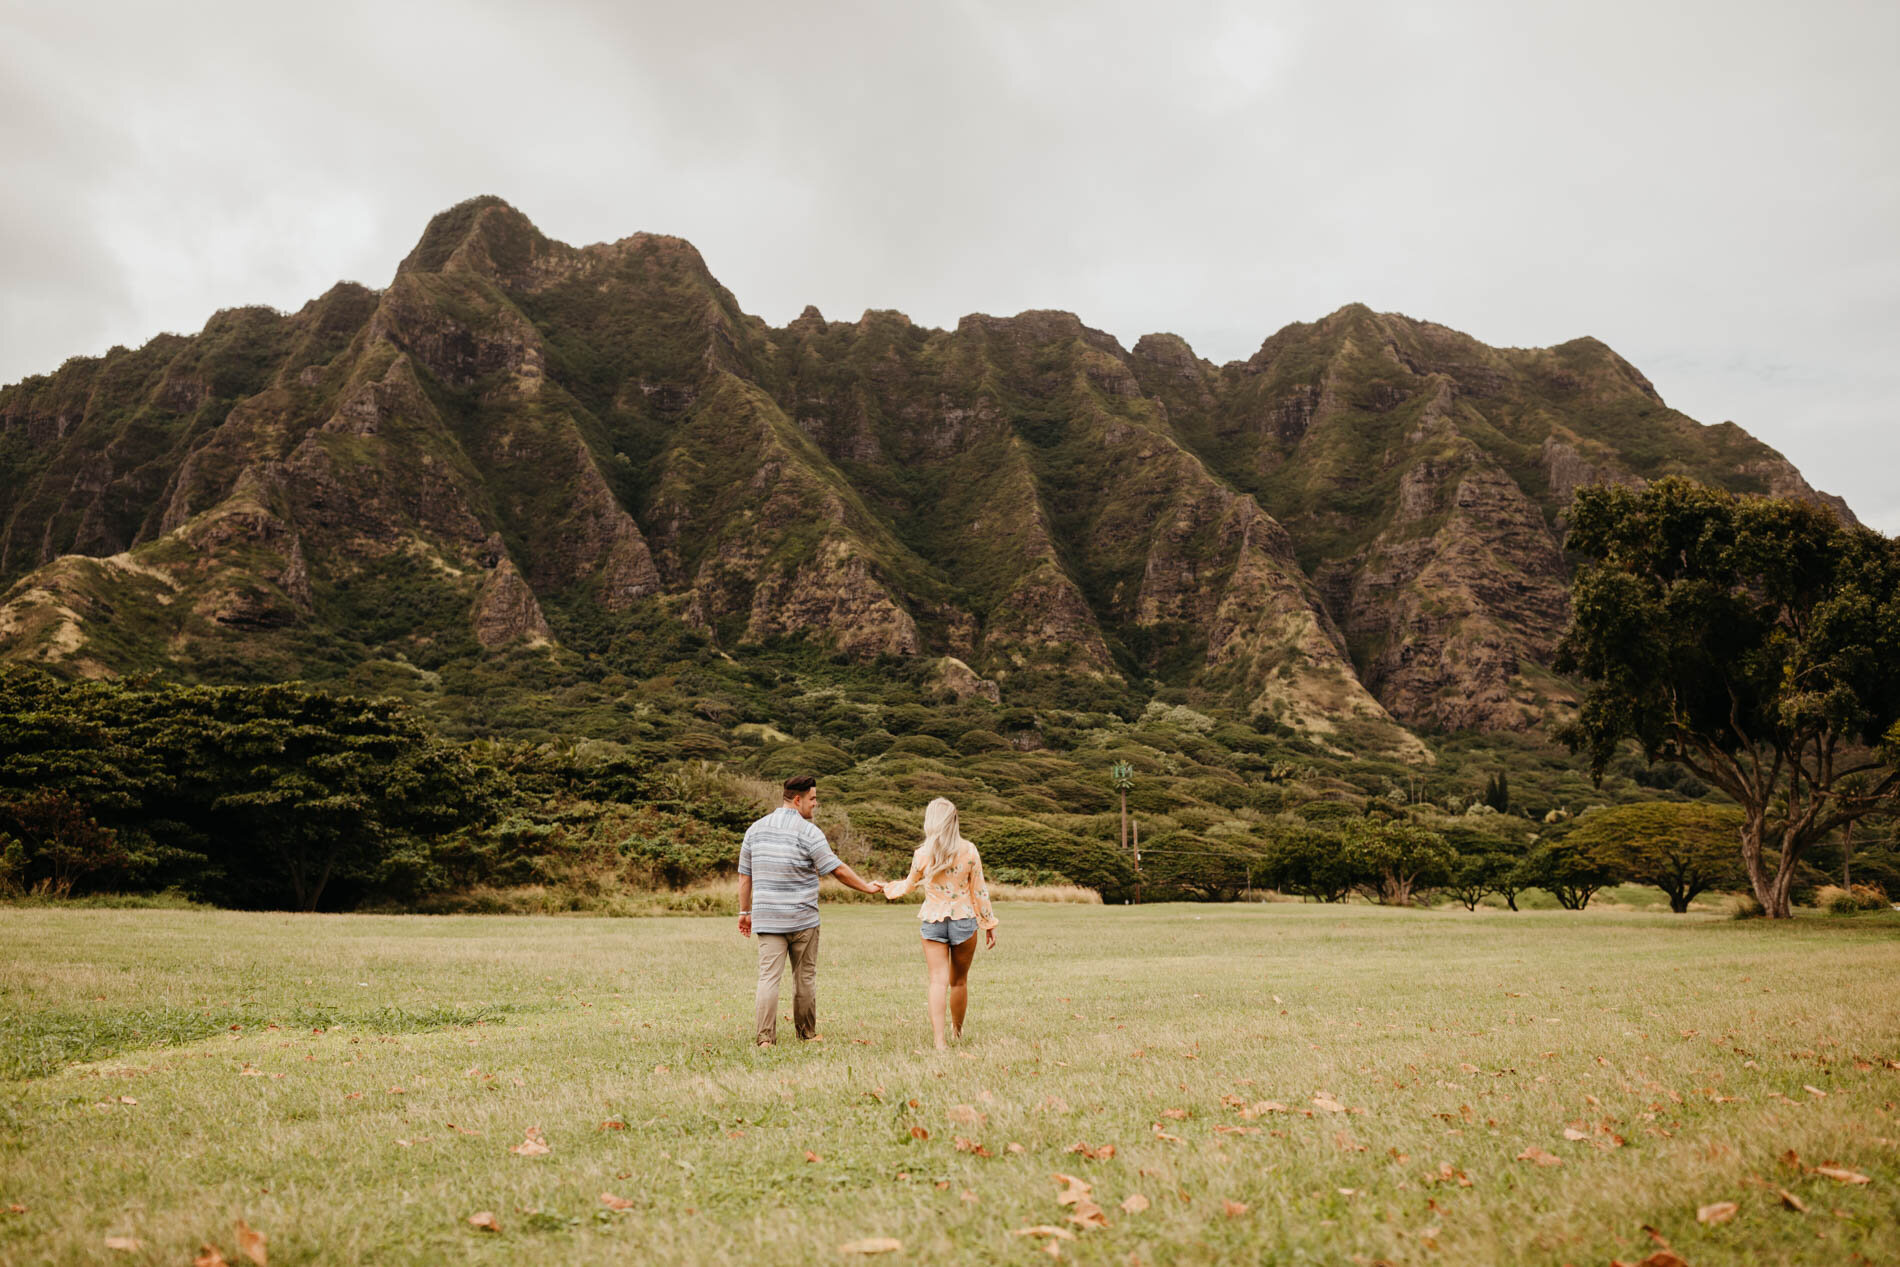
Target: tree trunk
(1759, 880)
(1679, 903)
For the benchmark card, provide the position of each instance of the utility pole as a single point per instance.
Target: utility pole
(1135, 823)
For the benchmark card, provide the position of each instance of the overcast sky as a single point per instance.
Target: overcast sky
(1711, 188)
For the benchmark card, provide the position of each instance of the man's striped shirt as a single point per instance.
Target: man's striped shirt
(785, 855)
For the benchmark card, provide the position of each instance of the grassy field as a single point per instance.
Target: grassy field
(352, 1087)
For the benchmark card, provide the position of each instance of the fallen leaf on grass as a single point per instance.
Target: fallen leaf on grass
(484, 1221)
(1014, 1147)
(1233, 1209)
(1540, 1157)
(613, 1202)
(1134, 1203)
(872, 1245)
(1327, 1104)
(1661, 1258)
(1345, 1143)
(1073, 1189)
(1103, 1153)
(130, 1244)
(1447, 1173)
(209, 1256)
(463, 1130)
(971, 1146)
(1719, 1212)
(968, 1197)
(1225, 1128)
(1179, 1115)
(1572, 1134)
(1841, 1174)
(613, 1124)
(1164, 1136)
(1791, 1201)
(966, 1115)
(250, 1243)
(810, 1156)
(1045, 1229)
(532, 1145)
(1791, 1158)
(1814, 1091)
(918, 1132)
(1087, 1215)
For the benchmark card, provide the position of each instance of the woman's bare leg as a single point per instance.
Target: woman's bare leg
(960, 959)
(937, 961)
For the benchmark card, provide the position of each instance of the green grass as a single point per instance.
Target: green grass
(1464, 1038)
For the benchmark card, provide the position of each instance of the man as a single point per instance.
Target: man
(779, 864)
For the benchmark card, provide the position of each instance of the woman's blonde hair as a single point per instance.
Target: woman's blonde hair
(942, 835)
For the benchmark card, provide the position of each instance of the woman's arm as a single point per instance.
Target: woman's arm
(901, 887)
(980, 897)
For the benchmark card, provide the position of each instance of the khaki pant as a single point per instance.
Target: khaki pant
(774, 948)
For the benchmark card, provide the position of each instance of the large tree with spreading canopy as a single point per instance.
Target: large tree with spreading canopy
(1754, 641)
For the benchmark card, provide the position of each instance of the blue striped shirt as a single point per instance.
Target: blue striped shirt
(785, 855)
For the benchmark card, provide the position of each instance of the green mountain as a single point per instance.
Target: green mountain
(523, 445)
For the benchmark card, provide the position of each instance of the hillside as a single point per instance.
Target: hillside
(522, 453)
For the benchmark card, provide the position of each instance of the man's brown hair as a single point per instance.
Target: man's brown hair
(798, 785)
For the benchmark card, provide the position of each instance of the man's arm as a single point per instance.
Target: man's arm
(745, 906)
(846, 876)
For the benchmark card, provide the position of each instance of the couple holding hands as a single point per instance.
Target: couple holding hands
(780, 862)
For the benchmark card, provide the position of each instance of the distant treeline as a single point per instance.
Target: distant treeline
(281, 796)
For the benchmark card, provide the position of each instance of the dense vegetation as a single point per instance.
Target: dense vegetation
(300, 796)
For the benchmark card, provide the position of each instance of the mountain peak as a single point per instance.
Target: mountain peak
(482, 235)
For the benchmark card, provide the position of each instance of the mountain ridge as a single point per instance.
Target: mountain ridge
(522, 442)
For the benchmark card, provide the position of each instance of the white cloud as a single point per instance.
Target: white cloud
(1707, 187)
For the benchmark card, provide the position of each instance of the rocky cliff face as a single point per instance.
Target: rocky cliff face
(519, 443)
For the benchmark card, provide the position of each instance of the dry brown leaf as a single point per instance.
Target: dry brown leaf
(209, 1256)
(1573, 1134)
(1664, 1258)
(1179, 1115)
(1134, 1203)
(532, 1144)
(1447, 1173)
(1326, 1103)
(1791, 1201)
(1540, 1157)
(872, 1245)
(1233, 1209)
(971, 1146)
(1814, 1091)
(611, 1124)
(1655, 1236)
(1052, 1249)
(484, 1221)
(918, 1132)
(1225, 1128)
(1841, 1174)
(1791, 1158)
(1103, 1153)
(1087, 1215)
(1718, 1212)
(130, 1244)
(810, 1156)
(1164, 1136)
(613, 1202)
(251, 1244)
(1045, 1229)
(968, 1197)
(1345, 1143)
(1014, 1147)
(1073, 1189)
(966, 1114)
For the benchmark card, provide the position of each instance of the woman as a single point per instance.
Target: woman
(956, 904)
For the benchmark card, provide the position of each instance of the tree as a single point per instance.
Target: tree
(1309, 861)
(1122, 776)
(1566, 871)
(1753, 641)
(1497, 793)
(1682, 849)
(1395, 858)
(1474, 875)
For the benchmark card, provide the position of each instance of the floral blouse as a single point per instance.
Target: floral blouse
(956, 892)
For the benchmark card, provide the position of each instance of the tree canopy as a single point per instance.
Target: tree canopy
(1754, 641)
(1684, 849)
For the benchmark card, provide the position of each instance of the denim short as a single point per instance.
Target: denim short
(951, 932)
